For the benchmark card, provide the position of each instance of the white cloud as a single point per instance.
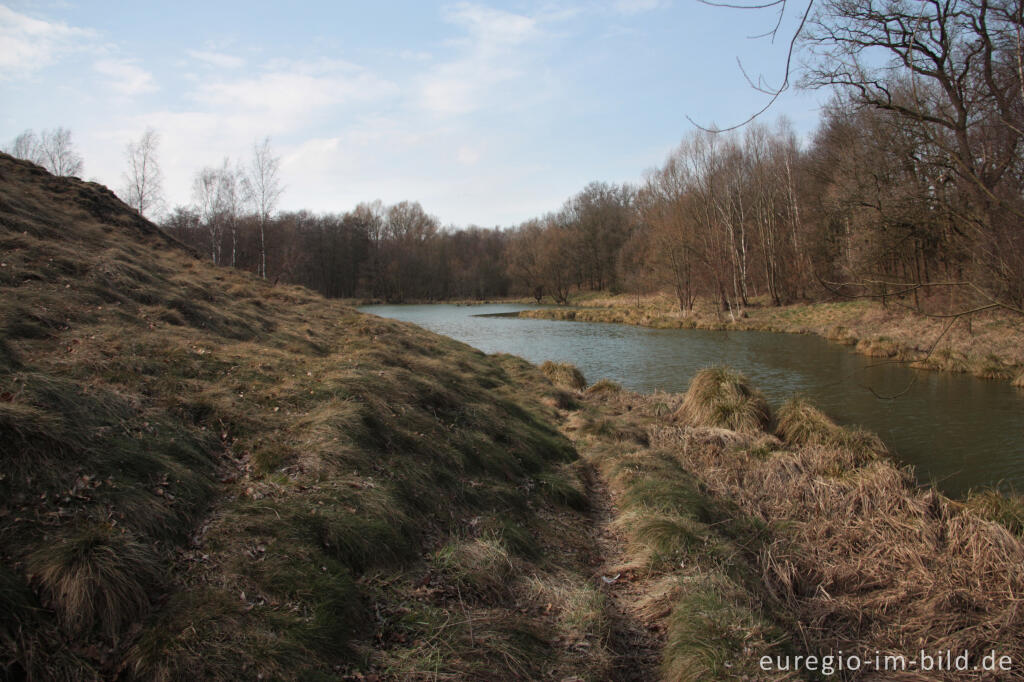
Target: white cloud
(289, 93)
(223, 115)
(492, 28)
(125, 77)
(28, 45)
(217, 59)
(492, 53)
(638, 6)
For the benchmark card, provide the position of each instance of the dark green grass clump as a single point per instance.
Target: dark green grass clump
(1006, 509)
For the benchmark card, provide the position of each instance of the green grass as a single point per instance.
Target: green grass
(1006, 509)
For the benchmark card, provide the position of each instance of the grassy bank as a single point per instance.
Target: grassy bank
(205, 476)
(755, 534)
(990, 345)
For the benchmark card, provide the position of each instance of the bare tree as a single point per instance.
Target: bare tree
(58, 153)
(262, 187)
(206, 195)
(947, 73)
(26, 146)
(143, 180)
(229, 200)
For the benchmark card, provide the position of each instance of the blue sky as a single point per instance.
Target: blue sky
(487, 113)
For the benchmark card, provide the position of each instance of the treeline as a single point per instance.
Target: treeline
(393, 253)
(741, 217)
(911, 189)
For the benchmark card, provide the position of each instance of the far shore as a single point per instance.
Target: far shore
(989, 345)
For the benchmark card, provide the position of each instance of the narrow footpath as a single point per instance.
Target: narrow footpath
(635, 644)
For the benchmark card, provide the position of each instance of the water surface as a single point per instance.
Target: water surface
(958, 431)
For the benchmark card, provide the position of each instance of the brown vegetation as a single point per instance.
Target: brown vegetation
(748, 546)
(722, 398)
(564, 374)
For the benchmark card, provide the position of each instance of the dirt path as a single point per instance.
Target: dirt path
(636, 645)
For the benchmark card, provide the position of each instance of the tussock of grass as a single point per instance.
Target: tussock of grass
(1019, 381)
(944, 359)
(715, 632)
(841, 334)
(880, 347)
(604, 386)
(721, 397)
(609, 427)
(480, 567)
(563, 400)
(96, 577)
(581, 608)
(564, 374)
(1006, 509)
(799, 423)
(563, 490)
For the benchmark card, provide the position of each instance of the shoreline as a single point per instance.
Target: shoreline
(988, 348)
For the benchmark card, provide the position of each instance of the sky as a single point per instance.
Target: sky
(487, 113)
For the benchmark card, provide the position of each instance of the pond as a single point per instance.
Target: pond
(958, 431)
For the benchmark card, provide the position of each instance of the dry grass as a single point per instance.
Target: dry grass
(1006, 509)
(690, 557)
(603, 386)
(801, 424)
(992, 367)
(480, 568)
(841, 334)
(564, 374)
(97, 577)
(722, 397)
(880, 347)
(750, 545)
(851, 542)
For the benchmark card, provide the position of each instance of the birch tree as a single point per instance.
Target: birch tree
(58, 153)
(143, 179)
(262, 188)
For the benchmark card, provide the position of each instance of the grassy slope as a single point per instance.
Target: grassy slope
(992, 347)
(207, 476)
